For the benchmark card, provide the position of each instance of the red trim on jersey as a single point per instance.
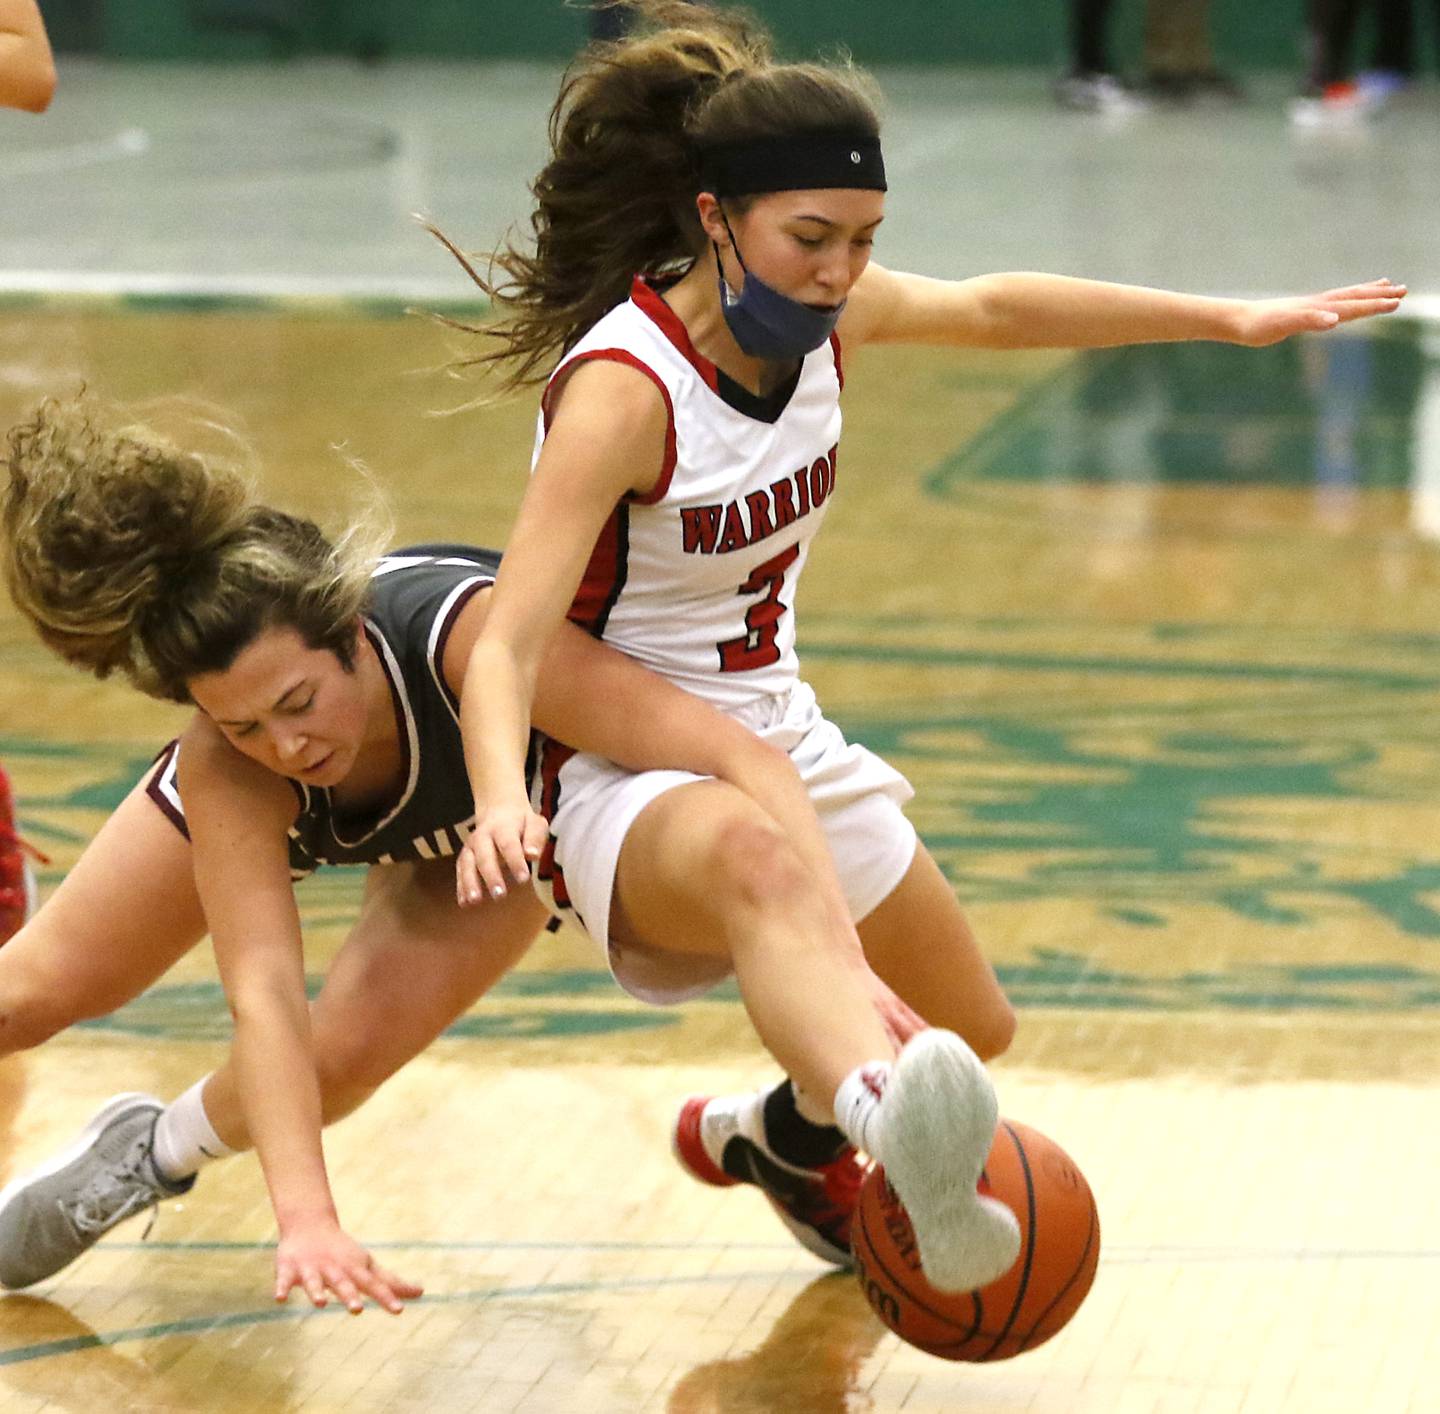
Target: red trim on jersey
(667, 468)
(839, 362)
(647, 300)
(605, 574)
(553, 756)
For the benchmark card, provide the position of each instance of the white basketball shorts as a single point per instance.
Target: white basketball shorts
(591, 804)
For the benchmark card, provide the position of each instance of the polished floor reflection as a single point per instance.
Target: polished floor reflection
(1154, 634)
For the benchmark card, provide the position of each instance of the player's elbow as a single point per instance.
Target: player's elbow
(36, 89)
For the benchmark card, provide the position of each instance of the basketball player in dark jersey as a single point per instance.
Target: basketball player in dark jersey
(328, 685)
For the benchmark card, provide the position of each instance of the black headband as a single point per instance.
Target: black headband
(800, 162)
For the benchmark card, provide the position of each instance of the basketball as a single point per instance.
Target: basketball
(1059, 1248)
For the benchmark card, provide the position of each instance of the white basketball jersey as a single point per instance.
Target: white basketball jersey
(697, 579)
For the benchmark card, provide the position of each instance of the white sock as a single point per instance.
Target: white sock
(185, 1140)
(857, 1104)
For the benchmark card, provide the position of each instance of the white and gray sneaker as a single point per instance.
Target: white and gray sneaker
(52, 1214)
(937, 1123)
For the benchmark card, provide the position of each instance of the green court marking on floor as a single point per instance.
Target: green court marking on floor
(1338, 413)
(205, 1325)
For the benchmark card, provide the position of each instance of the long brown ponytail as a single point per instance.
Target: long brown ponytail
(617, 197)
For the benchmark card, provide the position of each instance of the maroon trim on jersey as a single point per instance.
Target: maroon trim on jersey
(605, 575)
(437, 662)
(553, 755)
(839, 362)
(667, 469)
(373, 821)
(153, 789)
(165, 761)
(646, 299)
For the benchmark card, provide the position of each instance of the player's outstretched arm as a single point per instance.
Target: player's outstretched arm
(238, 815)
(27, 67)
(1020, 311)
(606, 438)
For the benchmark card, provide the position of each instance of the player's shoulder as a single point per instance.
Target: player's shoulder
(871, 297)
(212, 772)
(621, 392)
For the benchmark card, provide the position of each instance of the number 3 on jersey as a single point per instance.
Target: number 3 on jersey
(757, 648)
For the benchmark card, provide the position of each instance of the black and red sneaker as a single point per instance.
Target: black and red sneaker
(720, 1140)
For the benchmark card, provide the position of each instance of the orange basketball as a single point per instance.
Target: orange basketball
(1059, 1247)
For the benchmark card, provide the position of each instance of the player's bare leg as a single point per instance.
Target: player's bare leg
(125, 913)
(414, 963)
(122, 916)
(919, 942)
(703, 871)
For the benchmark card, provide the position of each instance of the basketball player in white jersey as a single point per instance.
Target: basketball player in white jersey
(327, 732)
(701, 265)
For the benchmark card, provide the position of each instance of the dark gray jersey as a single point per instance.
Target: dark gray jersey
(418, 596)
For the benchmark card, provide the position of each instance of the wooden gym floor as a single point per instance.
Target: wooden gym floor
(1154, 635)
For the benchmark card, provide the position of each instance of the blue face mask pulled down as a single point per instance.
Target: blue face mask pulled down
(767, 324)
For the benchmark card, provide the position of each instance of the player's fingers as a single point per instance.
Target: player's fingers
(1364, 308)
(314, 1285)
(379, 1290)
(512, 849)
(537, 831)
(487, 864)
(403, 1288)
(285, 1281)
(910, 1019)
(467, 878)
(340, 1283)
(1369, 290)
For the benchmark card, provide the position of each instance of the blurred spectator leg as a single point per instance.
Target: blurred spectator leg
(1090, 85)
(1392, 66)
(1330, 94)
(1179, 55)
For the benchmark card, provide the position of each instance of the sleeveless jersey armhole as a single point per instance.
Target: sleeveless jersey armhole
(667, 469)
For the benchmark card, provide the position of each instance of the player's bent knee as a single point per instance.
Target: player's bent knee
(345, 1084)
(350, 1070)
(30, 1018)
(751, 865)
(995, 1032)
(339, 1100)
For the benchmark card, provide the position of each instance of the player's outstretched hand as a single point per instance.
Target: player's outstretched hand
(901, 1020)
(323, 1261)
(1267, 321)
(506, 839)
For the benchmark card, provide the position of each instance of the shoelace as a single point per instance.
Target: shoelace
(115, 1194)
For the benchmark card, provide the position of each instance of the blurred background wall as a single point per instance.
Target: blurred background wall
(969, 32)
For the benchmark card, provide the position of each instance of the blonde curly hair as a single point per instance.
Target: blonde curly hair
(130, 554)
